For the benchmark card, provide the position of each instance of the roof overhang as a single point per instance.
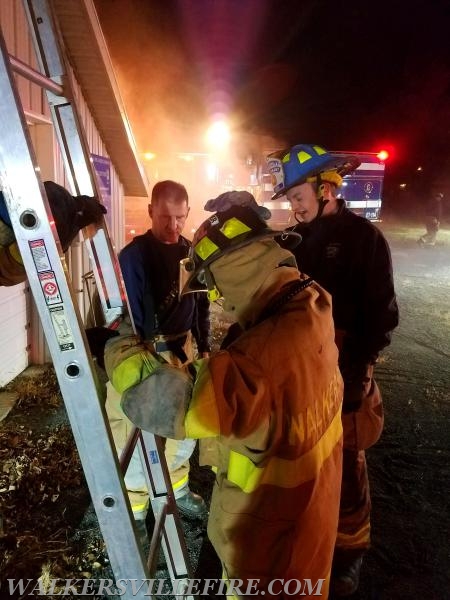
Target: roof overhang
(89, 57)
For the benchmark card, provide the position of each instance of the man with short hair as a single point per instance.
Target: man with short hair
(350, 258)
(150, 268)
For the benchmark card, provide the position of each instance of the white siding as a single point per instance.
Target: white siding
(13, 350)
(22, 336)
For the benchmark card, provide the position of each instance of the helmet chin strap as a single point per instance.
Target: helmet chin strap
(320, 199)
(213, 291)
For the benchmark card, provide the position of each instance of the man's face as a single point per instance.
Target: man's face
(168, 219)
(303, 202)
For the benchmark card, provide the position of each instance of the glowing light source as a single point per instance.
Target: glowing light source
(212, 172)
(149, 155)
(383, 155)
(218, 134)
(402, 186)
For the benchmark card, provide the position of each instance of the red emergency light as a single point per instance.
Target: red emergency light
(383, 155)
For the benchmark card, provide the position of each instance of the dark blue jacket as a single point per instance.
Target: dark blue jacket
(151, 270)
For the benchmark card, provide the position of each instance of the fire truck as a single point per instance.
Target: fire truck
(362, 190)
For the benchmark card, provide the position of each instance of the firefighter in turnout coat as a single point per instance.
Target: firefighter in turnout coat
(351, 259)
(269, 405)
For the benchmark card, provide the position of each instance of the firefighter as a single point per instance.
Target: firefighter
(150, 268)
(350, 258)
(269, 405)
(71, 213)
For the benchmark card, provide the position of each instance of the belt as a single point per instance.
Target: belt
(172, 343)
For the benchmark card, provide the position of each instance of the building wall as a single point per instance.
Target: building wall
(19, 323)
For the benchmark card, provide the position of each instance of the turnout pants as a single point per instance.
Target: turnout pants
(177, 452)
(362, 429)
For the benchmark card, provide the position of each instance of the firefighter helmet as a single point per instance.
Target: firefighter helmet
(223, 232)
(303, 161)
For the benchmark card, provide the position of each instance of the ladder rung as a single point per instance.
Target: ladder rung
(31, 74)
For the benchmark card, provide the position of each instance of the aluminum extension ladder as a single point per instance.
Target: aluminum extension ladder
(46, 268)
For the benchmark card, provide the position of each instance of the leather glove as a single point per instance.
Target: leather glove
(72, 213)
(97, 338)
(129, 360)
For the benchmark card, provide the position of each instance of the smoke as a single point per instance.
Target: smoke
(180, 65)
(171, 85)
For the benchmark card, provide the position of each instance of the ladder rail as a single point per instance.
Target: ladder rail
(107, 274)
(49, 282)
(151, 450)
(46, 269)
(74, 148)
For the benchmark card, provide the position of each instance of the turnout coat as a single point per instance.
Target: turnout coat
(271, 403)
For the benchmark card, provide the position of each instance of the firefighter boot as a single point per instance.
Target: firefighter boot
(345, 579)
(191, 505)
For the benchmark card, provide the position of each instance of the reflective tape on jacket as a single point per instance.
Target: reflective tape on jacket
(282, 472)
(128, 362)
(202, 418)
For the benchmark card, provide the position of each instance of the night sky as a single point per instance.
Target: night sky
(350, 75)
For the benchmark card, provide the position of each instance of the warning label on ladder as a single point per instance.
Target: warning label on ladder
(50, 288)
(62, 328)
(40, 256)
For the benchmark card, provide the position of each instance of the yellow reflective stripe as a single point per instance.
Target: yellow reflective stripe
(133, 370)
(228, 584)
(359, 538)
(319, 150)
(197, 364)
(183, 481)
(243, 473)
(282, 472)
(325, 589)
(202, 417)
(205, 248)
(303, 156)
(234, 227)
(15, 253)
(286, 157)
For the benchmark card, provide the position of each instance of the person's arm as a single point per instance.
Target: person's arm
(12, 270)
(133, 272)
(376, 308)
(225, 395)
(71, 213)
(382, 315)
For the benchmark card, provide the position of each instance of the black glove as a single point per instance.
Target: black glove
(97, 338)
(71, 213)
(357, 381)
